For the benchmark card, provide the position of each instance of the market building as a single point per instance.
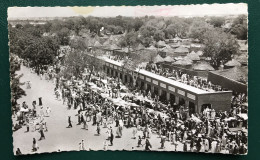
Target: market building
(177, 92)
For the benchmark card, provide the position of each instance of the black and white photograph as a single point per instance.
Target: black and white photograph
(134, 78)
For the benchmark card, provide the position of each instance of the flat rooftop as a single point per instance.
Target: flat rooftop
(166, 80)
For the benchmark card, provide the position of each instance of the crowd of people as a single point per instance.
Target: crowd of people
(106, 101)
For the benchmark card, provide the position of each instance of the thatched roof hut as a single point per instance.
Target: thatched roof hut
(161, 44)
(193, 56)
(232, 63)
(183, 62)
(158, 59)
(168, 59)
(181, 50)
(203, 66)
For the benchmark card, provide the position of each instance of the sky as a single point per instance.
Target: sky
(130, 11)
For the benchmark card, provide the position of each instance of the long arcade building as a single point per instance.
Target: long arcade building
(182, 94)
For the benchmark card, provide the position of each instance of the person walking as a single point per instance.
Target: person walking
(83, 145)
(162, 141)
(147, 145)
(40, 101)
(105, 145)
(139, 143)
(111, 136)
(18, 151)
(48, 111)
(69, 121)
(35, 145)
(41, 132)
(98, 129)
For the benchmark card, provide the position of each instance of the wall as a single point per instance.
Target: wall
(218, 101)
(227, 83)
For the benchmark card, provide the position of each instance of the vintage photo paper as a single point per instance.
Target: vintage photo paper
(150, 78)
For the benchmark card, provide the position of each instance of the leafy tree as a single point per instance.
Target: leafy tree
(129, 40)
(16, 91)
(159, 35)
(147, 33)
(63, 36)
(78, 43)
(239, 27)
(137, 24)
(42, 51)
(197, 29)
(217, 21)
(177, 27)
(74, 62)
(220, 46)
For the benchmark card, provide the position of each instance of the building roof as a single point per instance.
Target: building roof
(203, 66)
(200, 53)
(165, 80)
(181, 50)
(97, 44)
(236, 73)
(168, 59)
(140, 47)
(193, 56)
(161, 44)
(152, 48)
(183, 62)
(158, 59)
(243, 59)
(233, 63)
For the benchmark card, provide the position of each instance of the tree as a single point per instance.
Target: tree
(42, 51)
(131, 63)
(220, 46)
(129, 40)
(217, 21)
(147, 33)
(159, 35)
(239, 27)
(74, 62)
(177, 27)
(63, 36)
(16, 91)
(78, 43)
(197, 29)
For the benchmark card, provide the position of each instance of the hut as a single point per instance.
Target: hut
(167, 52)
(161, 44)
(183, 62)
(243, 59)
(152, 48)
(158, 59)
(168, 59)
(97, 45)
(200, 53)
(181, 51)
(193, 56)
(140, 47)
(202, 66)
(232, 63)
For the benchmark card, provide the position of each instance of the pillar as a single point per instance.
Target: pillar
(110, 72)
(145, 86)
(128, 78)
(139, 83)
(123, 77)
(197, 109)
(114, 73)
(187, 103)
(159, 92)
(152, 89)
(177, 99)
(168, 96)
